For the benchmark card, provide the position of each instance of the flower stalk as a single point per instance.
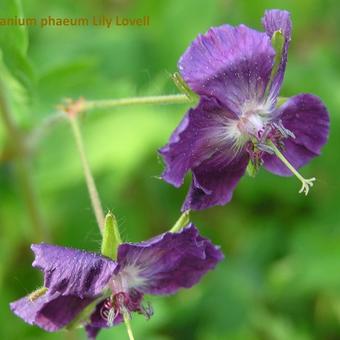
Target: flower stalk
(127, 323)
(89, 105)
(111, 103)
(91, 186)
(109, 229)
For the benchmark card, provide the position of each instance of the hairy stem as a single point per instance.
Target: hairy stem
(91, 186)
(22, 166)
(94, 196)
(110, 103)
(89, 105)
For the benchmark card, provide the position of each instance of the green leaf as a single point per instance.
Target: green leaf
(14, 44)
(16, 93)
(13, 36)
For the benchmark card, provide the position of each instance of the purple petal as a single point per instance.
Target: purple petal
(194, 140)
(215, 180)
(168, 262)
(232, 64)
(50, 312)
(277, 20)
(71, 271)
(307, 117)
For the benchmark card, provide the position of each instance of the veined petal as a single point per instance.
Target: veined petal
(168, 262)
(202, 130)
(215, 180)
(306, 116)
(278, 20)
(232, 64)
(50, 312)
(72, 271)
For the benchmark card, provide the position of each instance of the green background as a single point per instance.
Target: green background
(281, 276)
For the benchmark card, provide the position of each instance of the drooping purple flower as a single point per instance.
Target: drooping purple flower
(240, 121)
(76, 279)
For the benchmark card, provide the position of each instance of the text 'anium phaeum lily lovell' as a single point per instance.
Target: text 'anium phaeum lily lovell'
(240, 121)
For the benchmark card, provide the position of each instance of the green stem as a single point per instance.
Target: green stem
(23, 166)
(91, 186)
(183, 220)
(306, 183)
(89, 105)
(94, 196)
(128, 325)
(110, 103)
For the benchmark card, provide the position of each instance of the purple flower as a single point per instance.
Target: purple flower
(240, 121)
(100, 290)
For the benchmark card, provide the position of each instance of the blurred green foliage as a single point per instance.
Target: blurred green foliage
(281, 277)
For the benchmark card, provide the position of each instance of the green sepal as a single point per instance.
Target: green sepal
(252, 169)
(183, 220)
(111, 237)
(183, 87)
(278, 43)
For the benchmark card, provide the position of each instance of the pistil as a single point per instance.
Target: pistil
(306, 183)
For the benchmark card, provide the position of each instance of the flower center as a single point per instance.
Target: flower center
(125, 297)
(123, 304)
(114, 306)
(250, 124)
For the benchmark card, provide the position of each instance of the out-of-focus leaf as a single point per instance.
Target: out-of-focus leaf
(16, 95)
(14, 44)
(14, 36)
